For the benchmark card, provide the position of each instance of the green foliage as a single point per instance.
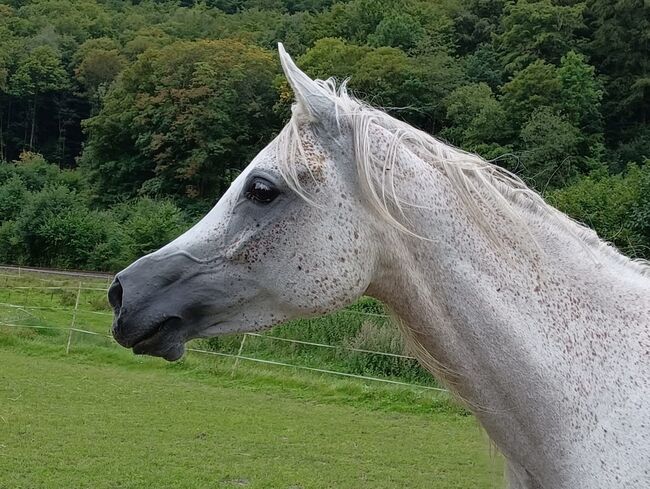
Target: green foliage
(186, 116)
(45, 220)
(476, 22)
(11, 244)
(174, 98)
(618, 47)
(39, 72)
(532, 88)
(484, 66)
(149, 224)
(12, 194)
(555, 112)
(580, 92)
(33, 171)
(616, 206)
(399, 31)
(55, 226)
(356, 20)
(99, 61)
(412, 89)
(552, 145)
(641, 209)
(476, 116)
(333, 57)
(538, 30)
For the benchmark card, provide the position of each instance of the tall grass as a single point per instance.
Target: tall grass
(363, 326)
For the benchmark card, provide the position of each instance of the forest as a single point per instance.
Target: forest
(122, 122)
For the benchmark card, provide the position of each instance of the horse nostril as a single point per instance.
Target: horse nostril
(115, 295)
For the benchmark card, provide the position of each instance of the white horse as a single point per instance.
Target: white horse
(541, 328)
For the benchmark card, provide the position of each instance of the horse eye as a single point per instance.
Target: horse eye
(261, 190)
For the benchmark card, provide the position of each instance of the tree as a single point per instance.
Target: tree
(616, 206)
(146, 38)
(580, 92)
(436, 20)
(475, 115)
(476, 22)
(538, 30)
(484, 66)
(182, 119)
(98, 63)
(333, 57)
(176, 97)
(641, 208)
(12, 194)
(8, 50)
(410, 88)
(358, 19)
(399, 30)
(532, 88)
(38, 73)
(551, 157)
(555, 112)
(73, 22)
(619, 49)
(148, 224)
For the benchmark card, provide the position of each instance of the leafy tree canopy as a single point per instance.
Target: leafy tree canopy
(152, 107)
(186, 116)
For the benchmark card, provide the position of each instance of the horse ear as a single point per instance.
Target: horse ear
(310, 95)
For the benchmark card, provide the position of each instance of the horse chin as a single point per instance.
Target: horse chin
(169, 351)
(164, 341)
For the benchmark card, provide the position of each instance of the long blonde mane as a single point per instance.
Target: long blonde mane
(478, 183)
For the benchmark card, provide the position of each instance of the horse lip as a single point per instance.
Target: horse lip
(149, 333)
(161, 341)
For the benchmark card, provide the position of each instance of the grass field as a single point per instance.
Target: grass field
(99, 417)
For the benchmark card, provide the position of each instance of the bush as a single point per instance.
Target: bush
(46, 220)
(616, 206)
(147, 225)
(641, 208)
(12, 195)
(57, 229)
(34, 171)
(12, 247)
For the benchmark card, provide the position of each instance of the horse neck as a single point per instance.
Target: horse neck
(523, 334)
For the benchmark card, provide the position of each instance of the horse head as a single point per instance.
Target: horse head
(292, 237)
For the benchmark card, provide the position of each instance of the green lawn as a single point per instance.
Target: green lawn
(99, 417)
(69, 422)
(49, 300)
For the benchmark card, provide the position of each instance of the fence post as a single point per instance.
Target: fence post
(241, 347)
(74, 319)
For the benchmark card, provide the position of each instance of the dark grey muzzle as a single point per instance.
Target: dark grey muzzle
(152, 304)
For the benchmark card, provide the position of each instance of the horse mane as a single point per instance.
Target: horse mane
(477, 182)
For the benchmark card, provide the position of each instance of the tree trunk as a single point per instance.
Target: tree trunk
(31, 136)
(2, 139)
(61, 138)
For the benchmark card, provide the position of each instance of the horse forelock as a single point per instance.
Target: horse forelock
(476, 181)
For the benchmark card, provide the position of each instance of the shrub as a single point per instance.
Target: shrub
(56, 228)
(148, 224)
(616, 206)
(12, 247)
(34, 171)
(12, 195)
(641, 208)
